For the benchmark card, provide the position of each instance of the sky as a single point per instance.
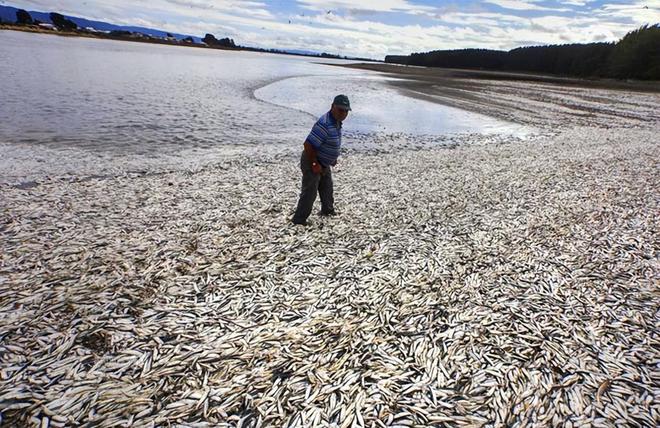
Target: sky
(373, 28)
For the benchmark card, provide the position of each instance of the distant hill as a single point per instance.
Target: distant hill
(8, 14)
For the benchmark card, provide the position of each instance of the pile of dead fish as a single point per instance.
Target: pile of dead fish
(476, 285)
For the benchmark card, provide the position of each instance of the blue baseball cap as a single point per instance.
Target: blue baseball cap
(342, 102)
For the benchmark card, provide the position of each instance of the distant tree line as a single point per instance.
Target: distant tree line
(635, 56)
(63, 23)
(210, 40)
(23, 17)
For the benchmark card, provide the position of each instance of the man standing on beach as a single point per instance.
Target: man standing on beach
(320, 153)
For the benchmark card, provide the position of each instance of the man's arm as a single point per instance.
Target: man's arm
(310, 151)
(314, 142)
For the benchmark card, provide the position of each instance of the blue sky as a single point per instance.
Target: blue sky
(374, 28)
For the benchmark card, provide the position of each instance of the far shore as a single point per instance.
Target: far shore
(104, 36)
(153, 40)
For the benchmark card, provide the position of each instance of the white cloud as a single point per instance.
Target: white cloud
(257, 23)
(365, 5)
(157, 10)
(518, 4)
(480, 19)
(240, 7)
(638, 12)
(576, 2)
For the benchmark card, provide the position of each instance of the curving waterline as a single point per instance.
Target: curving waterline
(253, 93)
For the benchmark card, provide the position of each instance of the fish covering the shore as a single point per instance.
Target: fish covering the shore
(483, 282)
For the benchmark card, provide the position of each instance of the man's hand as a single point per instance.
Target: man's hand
(316, 167)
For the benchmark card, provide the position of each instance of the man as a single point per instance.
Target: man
(320, 153)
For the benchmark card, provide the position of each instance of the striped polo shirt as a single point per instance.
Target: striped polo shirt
(326, 139)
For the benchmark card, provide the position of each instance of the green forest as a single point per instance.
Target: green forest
(635, 56)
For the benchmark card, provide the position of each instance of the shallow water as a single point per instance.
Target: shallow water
(147, 99)
(378, 107)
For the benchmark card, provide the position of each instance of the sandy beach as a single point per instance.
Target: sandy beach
(467, 281)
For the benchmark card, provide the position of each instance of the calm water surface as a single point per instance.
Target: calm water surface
(138, 98)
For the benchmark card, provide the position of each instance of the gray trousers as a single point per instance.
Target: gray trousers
(311, 184)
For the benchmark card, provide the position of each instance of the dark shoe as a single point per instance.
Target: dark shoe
(301, 223)
(328, 213)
